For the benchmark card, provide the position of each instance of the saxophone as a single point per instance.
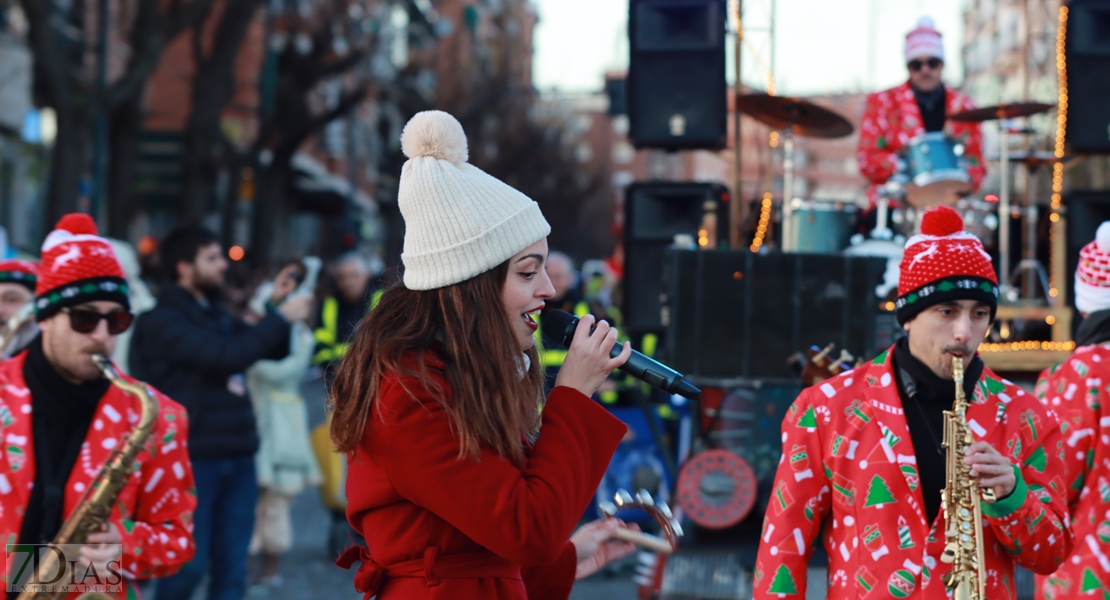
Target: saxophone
(96, 505)
(963, 517)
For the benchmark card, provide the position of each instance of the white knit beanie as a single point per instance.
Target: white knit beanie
(459, 221)
(924, 40)
(1092, 275)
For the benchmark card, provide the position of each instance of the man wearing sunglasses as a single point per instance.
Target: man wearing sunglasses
(61, 420)
(893, 117)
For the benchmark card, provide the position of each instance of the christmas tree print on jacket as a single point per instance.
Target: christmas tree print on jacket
(866, 491)
(154, 511)
(1078, 390)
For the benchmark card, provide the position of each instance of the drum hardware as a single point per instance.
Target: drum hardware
(1027, 264)
(1003, 113)
(716, 489)
(733, 415)
(792, 116)
(820, 226)
(668, 525)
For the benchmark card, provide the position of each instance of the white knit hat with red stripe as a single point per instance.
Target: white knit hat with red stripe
(1092, 276)
(78, 266)
(944, 263)
(924, 41)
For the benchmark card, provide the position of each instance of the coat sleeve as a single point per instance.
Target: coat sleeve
(1032, 522)
(554, 581)
(876, 160)
(176, 340)
(524, 514)
(788, 529)
(157, 537)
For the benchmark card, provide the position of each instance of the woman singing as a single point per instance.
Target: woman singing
(461, 487)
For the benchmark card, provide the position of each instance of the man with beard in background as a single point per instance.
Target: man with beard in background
(192, 348)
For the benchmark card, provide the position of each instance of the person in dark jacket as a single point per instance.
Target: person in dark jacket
(190, 347)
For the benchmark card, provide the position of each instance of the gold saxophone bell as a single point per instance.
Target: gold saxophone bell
(96, 505)
(961, 497)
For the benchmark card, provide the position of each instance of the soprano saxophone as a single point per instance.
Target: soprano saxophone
(96, 505)
(963, 517)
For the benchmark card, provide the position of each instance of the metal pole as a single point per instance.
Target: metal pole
(99, 167)
(787, 244)
(1004, 207)
(738, 212)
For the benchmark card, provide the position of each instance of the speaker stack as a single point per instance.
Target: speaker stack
(677, 95)
(1088, 61)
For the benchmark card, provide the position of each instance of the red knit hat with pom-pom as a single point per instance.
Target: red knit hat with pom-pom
(78, 266)
(23, 272)
(944, 263)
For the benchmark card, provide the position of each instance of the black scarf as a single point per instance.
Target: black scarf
(932, 107)
(61, 413)
(925, 397)
(1095, 329)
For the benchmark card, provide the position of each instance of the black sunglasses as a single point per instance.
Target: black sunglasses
(916, 64)
(83, 320)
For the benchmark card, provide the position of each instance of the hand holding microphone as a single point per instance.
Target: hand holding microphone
(568, 330)
(589, 359)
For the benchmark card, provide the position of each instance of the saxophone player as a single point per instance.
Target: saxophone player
(61, 420)
(863, 452)
(1077, 391)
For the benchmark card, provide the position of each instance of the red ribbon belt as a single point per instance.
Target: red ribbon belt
(432, 568)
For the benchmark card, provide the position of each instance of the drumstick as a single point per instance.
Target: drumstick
(644, 540)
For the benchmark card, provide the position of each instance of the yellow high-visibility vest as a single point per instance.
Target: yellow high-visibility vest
(328, 333)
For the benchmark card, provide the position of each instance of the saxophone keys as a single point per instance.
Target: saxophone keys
(988, 495)
(949, 554)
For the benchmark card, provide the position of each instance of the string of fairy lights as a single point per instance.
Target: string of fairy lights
(1061, 128)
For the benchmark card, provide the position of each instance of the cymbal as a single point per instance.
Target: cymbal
(806, 118)
(1002, 111)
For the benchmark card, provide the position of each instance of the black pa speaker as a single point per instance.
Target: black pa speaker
(1088, 62)
(677, 95)
(654, 213)
(735, 313)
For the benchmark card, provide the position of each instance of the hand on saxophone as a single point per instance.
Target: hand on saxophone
(102, 548)
(992, 469)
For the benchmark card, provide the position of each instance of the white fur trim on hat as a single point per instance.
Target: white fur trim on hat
(924, 40)
(459, 221)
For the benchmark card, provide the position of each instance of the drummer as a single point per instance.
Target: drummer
(893, 117)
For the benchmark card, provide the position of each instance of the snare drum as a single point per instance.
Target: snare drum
(821, 226)
(935, 168)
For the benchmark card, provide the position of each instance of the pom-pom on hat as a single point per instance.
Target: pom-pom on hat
(1092, 276)
(924, 41)
(78, 266)
(459, 221)
(22, 272)
(944, 263)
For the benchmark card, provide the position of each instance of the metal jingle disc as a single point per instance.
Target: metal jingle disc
(716, 489)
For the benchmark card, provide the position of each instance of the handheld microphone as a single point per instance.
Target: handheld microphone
(559, 326)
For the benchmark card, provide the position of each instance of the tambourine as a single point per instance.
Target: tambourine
(671, 529)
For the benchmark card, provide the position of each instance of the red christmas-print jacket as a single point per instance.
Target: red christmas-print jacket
(1078, 390)
(849, 463)
(891, 119)
(154, 512)
(441, 527)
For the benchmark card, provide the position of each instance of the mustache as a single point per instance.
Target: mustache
(958, 349)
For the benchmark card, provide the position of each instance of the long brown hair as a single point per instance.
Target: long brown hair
(489, 401)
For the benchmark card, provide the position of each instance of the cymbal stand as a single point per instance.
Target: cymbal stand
(1004, 206)
(788, 242)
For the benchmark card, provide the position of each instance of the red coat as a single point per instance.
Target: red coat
(848, 462)
(154, 513)
(891, 119)
(1078, 391)
(440, 527)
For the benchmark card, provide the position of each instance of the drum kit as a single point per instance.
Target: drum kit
(932, 170)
